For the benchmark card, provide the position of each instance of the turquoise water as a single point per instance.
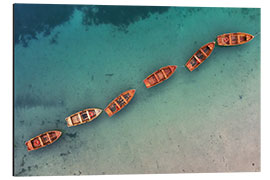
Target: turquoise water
(207, 120)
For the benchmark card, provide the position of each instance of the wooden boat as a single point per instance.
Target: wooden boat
(120, 102)
(232, 39)
(42, 140)
(200, 56)
(82, 117)
(159, 76)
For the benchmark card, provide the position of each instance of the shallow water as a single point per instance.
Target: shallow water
(207, 120)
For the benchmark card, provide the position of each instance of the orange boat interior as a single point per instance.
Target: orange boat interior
(120, 102)
(200, 56)
(159, 76)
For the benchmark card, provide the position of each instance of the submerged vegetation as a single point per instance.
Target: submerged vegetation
(120, 16)
(31, 19)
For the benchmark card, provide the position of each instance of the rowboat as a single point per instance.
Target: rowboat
(232, 39)
(82, 117)
(159, 76)
(200, 56)
(120, 102)
(42, 140)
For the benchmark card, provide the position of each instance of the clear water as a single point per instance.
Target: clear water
(207, 120)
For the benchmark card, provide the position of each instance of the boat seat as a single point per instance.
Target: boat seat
(152, 80)
(75, 119)
(113, 107)
(160, 75)
(45, 139)
(52, 135)
(206, 50)
(200, 55)
(234, 39)
(84, 116)
(193, 62)
(199, 60)
(120, 101)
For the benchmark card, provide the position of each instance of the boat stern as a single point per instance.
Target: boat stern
(189, 66)
(69, 122)
(219, 40)
(29, 146)
(109, 112)
(147, 84)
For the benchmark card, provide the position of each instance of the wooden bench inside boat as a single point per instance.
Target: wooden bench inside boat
(84, 116)
(45, 139)
(120, 101)
(75, 119)
(53, 136)
(113, 107)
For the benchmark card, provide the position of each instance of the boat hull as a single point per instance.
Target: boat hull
(42, 140)
(83, 117)
(120, 102)
(200, 56)
(159, 76)
(233, 39)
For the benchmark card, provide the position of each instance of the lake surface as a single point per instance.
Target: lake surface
(69, 58)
